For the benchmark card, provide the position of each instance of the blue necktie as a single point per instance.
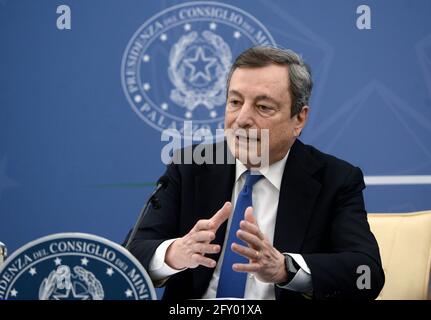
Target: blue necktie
(232, 283)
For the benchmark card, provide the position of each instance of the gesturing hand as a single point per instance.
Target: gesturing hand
(265, 262)
(189, 251)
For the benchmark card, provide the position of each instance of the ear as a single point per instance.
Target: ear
(300, 120)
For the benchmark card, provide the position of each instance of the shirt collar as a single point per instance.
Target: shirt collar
(274, 174)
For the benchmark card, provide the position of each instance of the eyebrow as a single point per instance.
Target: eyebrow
(235, 93)
(260, 97)
(267, 98)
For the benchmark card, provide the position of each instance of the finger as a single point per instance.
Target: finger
(246, 267)
(246, 252)
(204, 261)
(202, 225)
(250, 218)
(251, 239)
(221, 216)
(203, 236)
(251, 228)
(248, 215)
(203, 248)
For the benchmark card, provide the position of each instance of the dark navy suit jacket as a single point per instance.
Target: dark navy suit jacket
(320, 215)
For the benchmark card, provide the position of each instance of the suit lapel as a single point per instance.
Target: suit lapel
(298, 194)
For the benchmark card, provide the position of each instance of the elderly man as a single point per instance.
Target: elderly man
(295, 230)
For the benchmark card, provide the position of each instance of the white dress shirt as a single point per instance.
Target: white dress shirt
(265, 196)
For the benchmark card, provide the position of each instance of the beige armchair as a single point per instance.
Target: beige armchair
(405, 247)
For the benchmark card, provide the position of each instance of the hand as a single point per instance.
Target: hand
(189, 251)
(265, 262)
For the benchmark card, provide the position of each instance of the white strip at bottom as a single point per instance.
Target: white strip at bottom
(396, 180)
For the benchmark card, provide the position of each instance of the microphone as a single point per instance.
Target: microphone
(154, 201)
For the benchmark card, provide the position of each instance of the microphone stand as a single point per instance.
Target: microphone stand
(162, 183)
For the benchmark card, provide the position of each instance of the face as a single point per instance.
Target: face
(259, 98)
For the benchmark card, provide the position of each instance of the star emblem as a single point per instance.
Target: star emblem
(57, 261)
(128, 293)
(84, 261)
(109, 271)
(187, 27)
(32, 271)
(213, 25)
(137, 98)
(205, 64)
(13, 293)
(163, 37)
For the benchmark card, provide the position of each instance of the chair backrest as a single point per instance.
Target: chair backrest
(405, 246)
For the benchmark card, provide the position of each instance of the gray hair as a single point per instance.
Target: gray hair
(301, 83)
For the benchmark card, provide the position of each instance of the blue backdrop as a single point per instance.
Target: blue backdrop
(81, 110)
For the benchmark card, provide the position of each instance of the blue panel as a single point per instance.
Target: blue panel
(77, 155)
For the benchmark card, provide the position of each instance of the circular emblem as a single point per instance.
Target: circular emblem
(74, 266)
(175, 67)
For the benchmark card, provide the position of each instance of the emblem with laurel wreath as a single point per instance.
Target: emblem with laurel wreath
(188, 95)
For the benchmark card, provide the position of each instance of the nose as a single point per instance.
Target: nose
(245, 117)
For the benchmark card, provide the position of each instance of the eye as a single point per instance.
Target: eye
(264, 108)
(234, 102)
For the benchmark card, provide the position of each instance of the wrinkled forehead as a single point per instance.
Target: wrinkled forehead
(271, 80)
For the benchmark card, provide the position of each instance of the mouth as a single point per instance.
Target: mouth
(244, 138)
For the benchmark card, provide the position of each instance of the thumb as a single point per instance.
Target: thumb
(248, 215)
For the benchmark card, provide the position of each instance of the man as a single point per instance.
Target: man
(298, 230)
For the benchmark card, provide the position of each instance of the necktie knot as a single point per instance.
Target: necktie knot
(250, 180)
